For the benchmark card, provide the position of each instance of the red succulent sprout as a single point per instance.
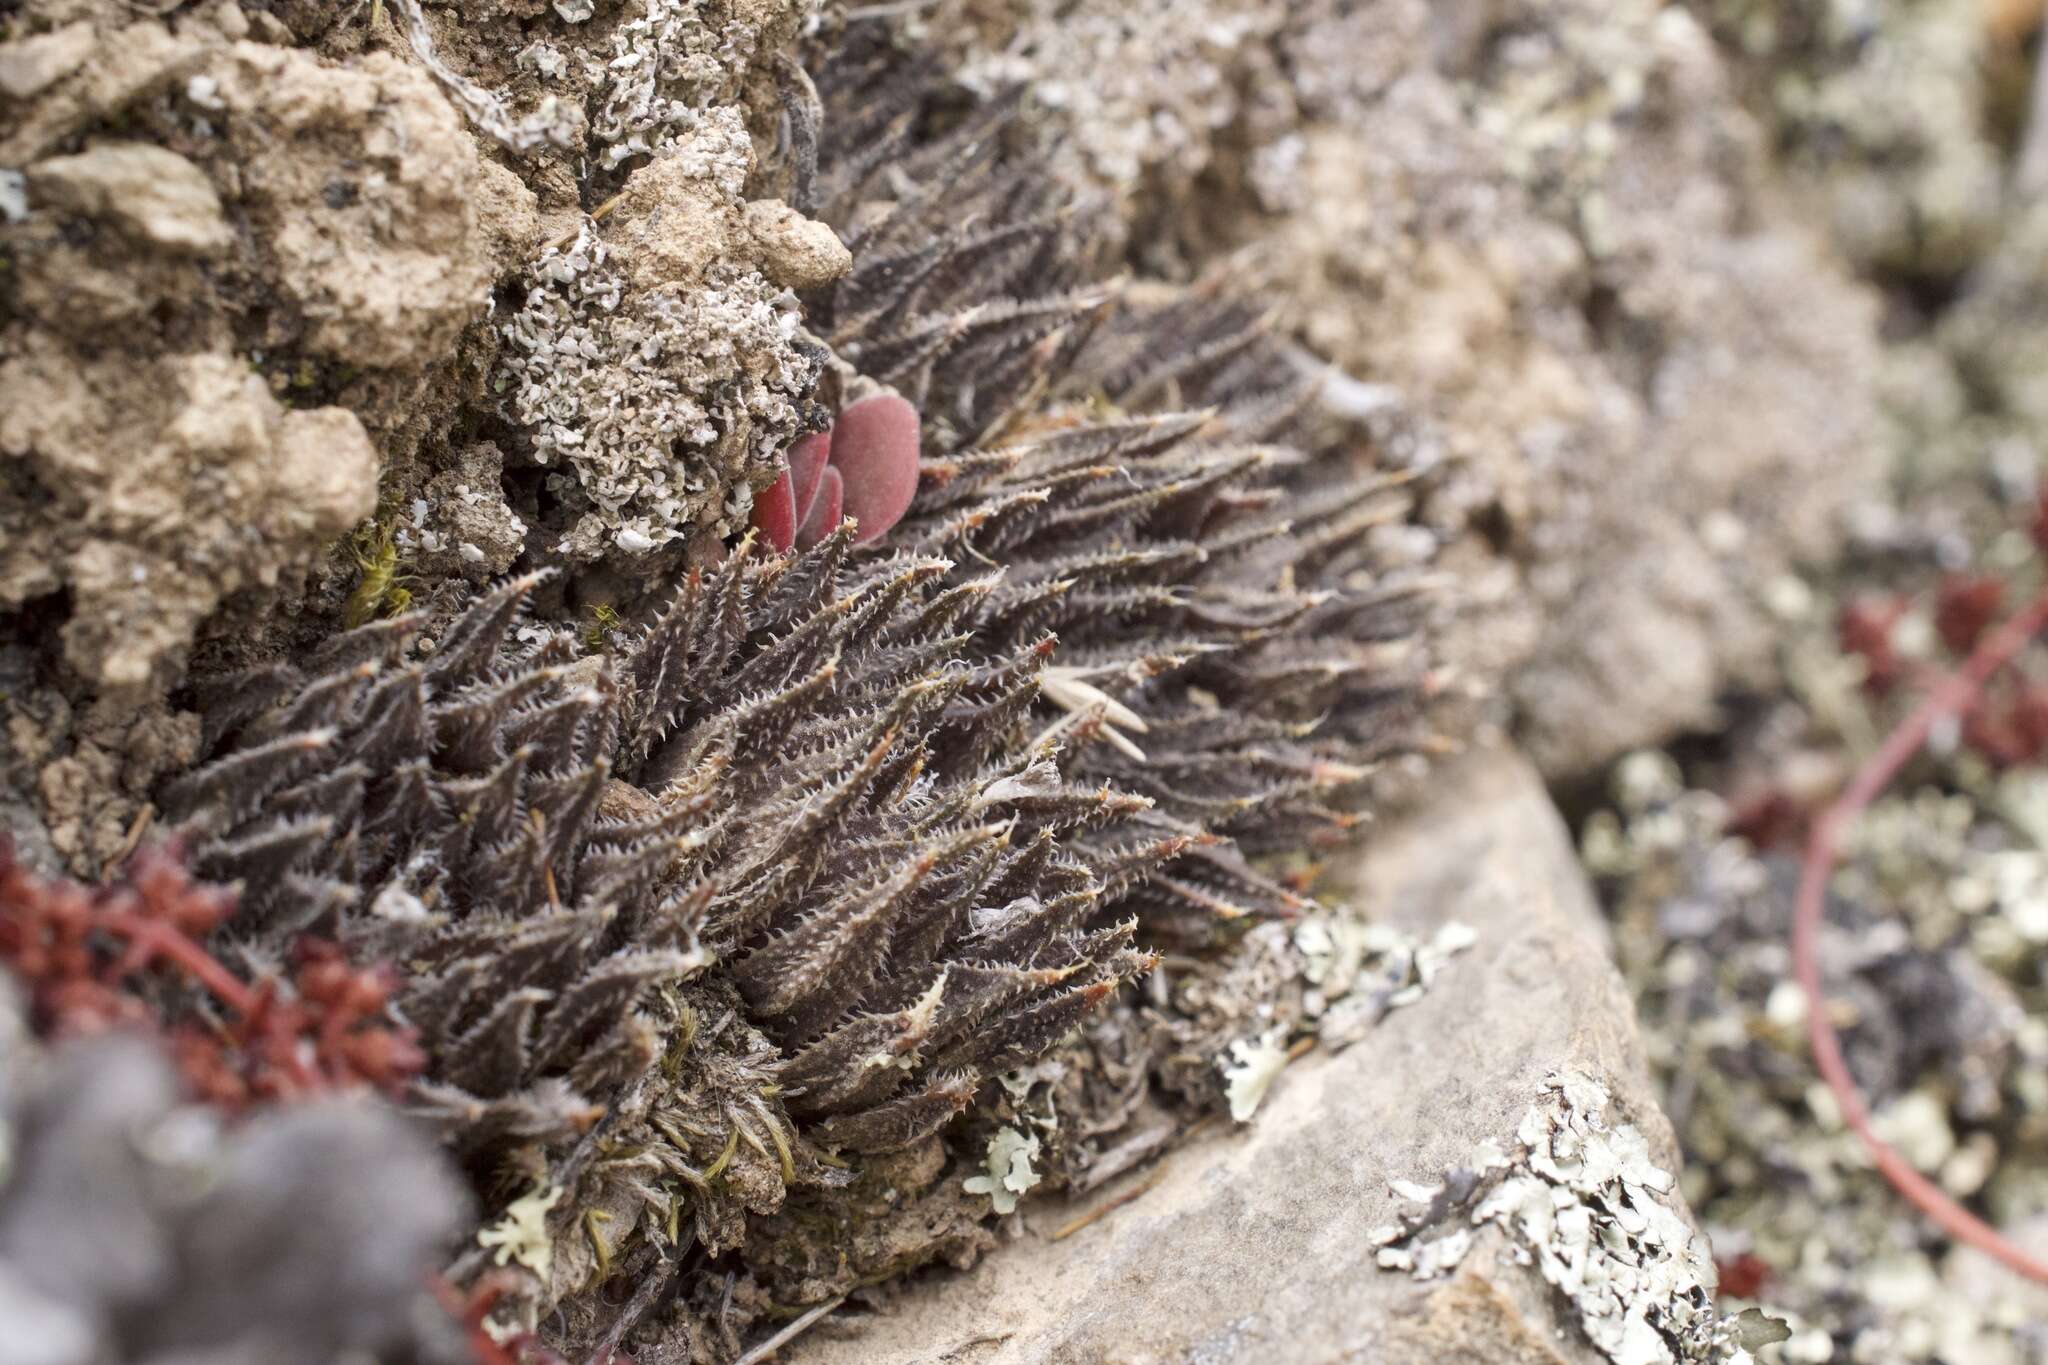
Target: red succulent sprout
(1965, 605)
(1743, 1276)
(2009, 725)
(84, 953)
(864, 467)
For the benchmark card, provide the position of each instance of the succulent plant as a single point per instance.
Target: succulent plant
(834, 838)
(95, 959)
(864, 467)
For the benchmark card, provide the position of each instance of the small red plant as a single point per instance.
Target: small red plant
(1965, 605)
(2004, 720)
(1949, 696)
(84, 953)
(2009, 725)
(1769, 817)
(864, 467)
(1743, 1276)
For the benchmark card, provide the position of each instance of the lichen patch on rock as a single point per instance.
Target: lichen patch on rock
(1581, 1199)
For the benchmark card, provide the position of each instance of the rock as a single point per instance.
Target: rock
(116, 66)
(1256, 1244)
(795, 252)
(509, 216)
(673, 222)
(358, 181)
(165, 486)
(1655, 388)
(469, 530)
(154, 195)
(178, 440)
(1750, 366)
(325, 472)
(32, 65)
(1543, 235)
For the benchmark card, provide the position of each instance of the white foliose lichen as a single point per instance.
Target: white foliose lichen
(667, 65)
(653, 403)
(522, 1234)
(1325, 980)
(1249, 1070)
(1583, 1202)
(13, 197)
(1357, 970)
(1009, 1171)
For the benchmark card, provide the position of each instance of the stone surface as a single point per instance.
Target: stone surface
(1255, 1245)
(1651, 386)
(795, 251)
(1545, 235)
(177, 418)
(165, 487)
(32, 65)
(156, 196)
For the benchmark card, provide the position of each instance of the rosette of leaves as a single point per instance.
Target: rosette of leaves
(863, 469)
(834, 838)
(1123, 460)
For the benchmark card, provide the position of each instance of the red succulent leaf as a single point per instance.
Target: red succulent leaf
(826, 510)
(775, 513)
(1965, 606)
(807, 461)
(865, 467)
(875, 449)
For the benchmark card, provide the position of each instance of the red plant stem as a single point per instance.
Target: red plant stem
(470, 1311)
(148, 940)
(1951, 696)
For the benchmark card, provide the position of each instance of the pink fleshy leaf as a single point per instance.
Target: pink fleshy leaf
(875, 450)
(775, 513)
(825, 510)
(807, 460)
